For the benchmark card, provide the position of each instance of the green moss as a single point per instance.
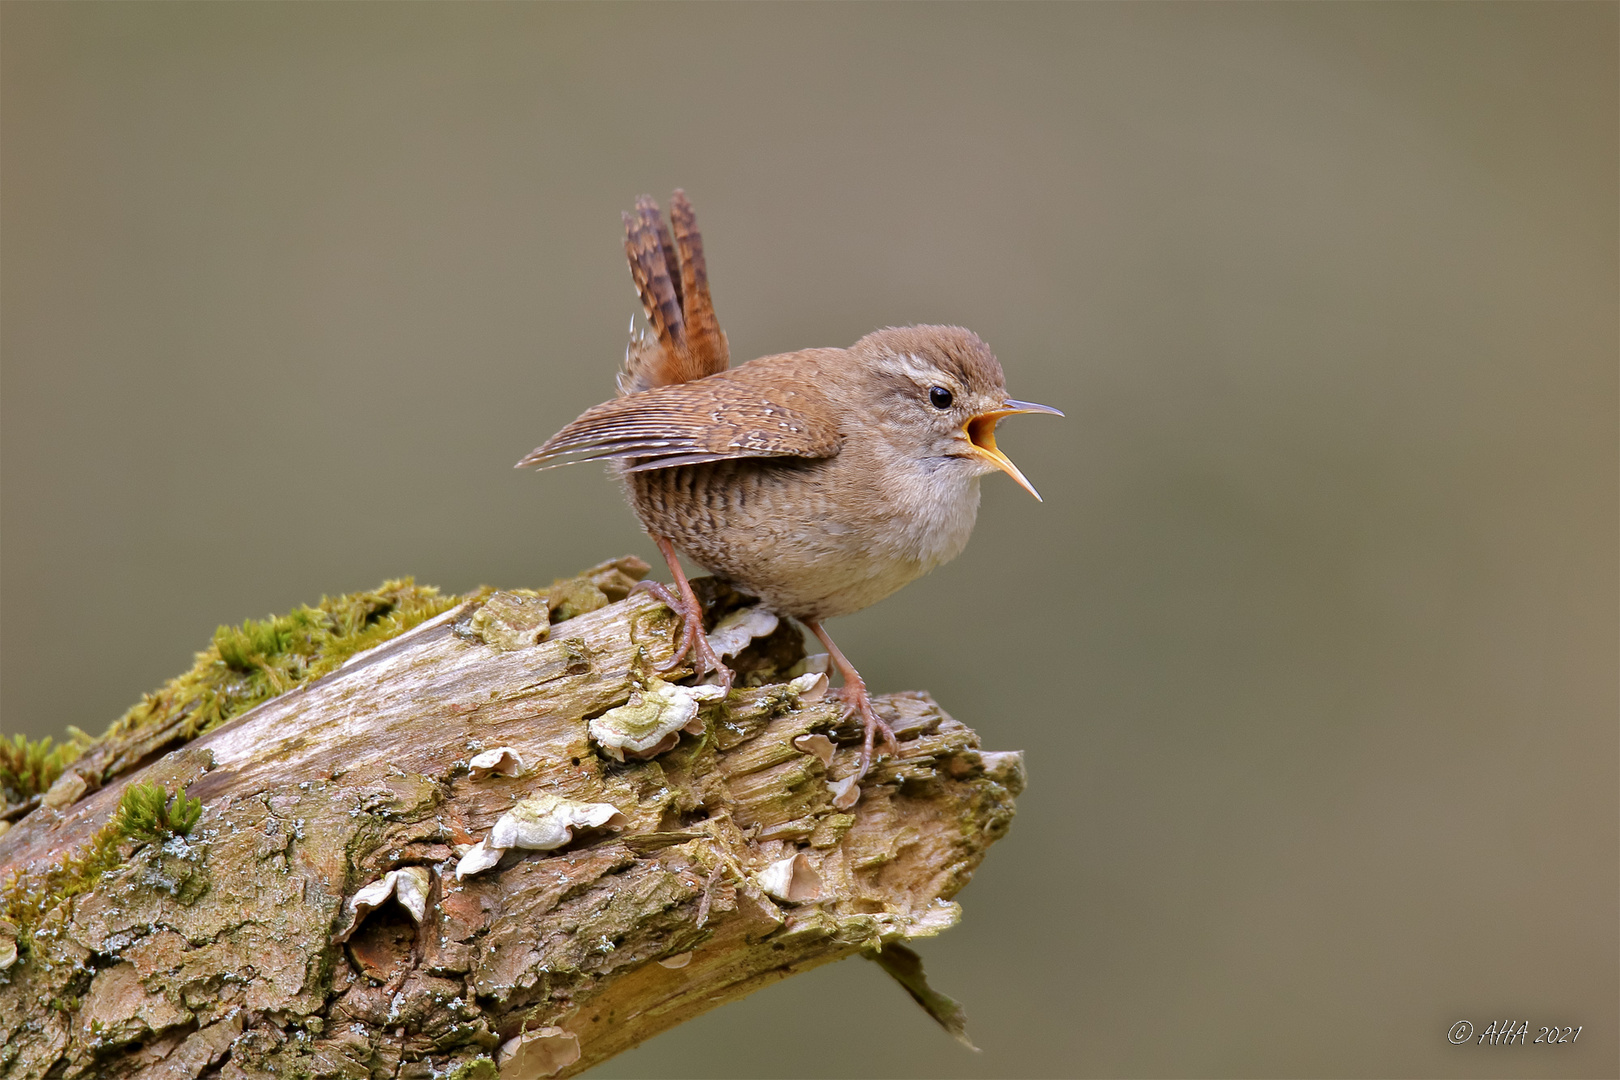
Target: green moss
(147, 813)
(244, 666)
(29, 767)
(251, 663)
(481, 1068)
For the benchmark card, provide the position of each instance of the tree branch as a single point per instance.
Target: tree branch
(239, 949)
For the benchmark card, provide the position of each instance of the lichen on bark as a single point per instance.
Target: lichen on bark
(234, 949)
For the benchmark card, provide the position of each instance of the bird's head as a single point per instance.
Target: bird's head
(940, 390)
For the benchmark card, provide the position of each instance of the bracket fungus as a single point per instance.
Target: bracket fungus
(732, 633)
(501, 761)
(539, 1053)
(846, 792)
(651, 721)
(810, 687)
(409, 885)
(539, 823)
(793, 879)
(817, 746)
(508, 621)
(478, 858)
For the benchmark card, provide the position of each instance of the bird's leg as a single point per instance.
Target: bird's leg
(686, 605)
(855, 698)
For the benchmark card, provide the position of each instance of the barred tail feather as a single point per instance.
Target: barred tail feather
(672, 280)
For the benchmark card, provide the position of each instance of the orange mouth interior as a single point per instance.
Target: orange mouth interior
(981, 432)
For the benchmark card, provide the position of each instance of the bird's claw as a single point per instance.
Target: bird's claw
(855, 699)
(692, 639)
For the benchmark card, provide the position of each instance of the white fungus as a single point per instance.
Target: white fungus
(818, 746)
(651, 721)
(846, 792)
(793, 879)
(539, 1053)
(477, 859)
(543, 822)
(732, 634)
(539, 823)
(811, 686)
(409, 885)
(501, 761)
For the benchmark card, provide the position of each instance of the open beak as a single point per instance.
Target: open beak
(981, 432)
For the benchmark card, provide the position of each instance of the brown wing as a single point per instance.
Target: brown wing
(673, 283)
(707, 420)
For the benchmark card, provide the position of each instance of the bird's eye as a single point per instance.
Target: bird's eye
(941, 397)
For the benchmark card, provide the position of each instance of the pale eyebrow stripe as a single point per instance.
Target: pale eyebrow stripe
(909, 366)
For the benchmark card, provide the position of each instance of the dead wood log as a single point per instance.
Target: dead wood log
(239, 947)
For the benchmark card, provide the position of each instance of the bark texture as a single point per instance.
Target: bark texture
(237, 949)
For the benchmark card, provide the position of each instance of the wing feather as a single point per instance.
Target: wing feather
(710, 419)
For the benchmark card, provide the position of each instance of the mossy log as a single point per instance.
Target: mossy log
(235, 946)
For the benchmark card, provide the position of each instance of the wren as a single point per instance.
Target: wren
(819, 481)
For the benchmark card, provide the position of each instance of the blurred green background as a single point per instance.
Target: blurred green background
(1312, 646)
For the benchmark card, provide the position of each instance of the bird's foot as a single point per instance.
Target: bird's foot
(692, 640)
(853, 696)
(855, 699)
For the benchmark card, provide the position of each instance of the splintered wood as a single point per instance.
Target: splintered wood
(314, 922)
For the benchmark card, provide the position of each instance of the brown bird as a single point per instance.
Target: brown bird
(819, 481)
